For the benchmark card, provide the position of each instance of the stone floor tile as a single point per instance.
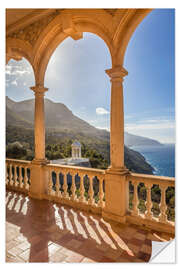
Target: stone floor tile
(74, 243)
(146, 249)
(87, 260)
(139, 236)
(58, 256)
(134, 248)
(73, 257)
(33, 235)
(53, 248)
(143, 256)
(136, 242)
(24, 245)
(25, 255)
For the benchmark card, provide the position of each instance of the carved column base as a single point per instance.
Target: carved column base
(40, 161)
(116, 194)
(109, 216)
(39, 180)
(118, 170)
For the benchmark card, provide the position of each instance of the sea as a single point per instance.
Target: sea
(161, 158)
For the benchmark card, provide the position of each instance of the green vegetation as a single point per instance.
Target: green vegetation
(24, 151)
(19, 150)
(156, 197)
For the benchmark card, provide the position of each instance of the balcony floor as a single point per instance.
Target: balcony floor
(42, 231)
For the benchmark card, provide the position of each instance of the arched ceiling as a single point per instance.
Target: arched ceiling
(35, 33)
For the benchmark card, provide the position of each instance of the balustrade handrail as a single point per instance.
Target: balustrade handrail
(76, 168)
(9, 160)
(155, 179)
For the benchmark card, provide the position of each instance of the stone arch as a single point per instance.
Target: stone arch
(53, 35)
(19, 48)
(124, 33)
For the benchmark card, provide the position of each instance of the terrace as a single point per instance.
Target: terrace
(96, 216)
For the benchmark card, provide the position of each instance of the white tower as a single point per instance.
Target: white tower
(76, 149)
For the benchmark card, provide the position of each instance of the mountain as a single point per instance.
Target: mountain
(57, 117)
(134, 140)
(62, 124)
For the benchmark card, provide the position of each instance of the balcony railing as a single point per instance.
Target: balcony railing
(142, 206)
(18, 174)
(77, 186)
(84, 188)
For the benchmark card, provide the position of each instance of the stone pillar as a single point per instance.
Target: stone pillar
(39, 124)
(72, 152)
(115, 178)
(117, 118)
(39, 176)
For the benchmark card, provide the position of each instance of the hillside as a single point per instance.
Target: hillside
(134, 140)
(59, 119)
(62, 125)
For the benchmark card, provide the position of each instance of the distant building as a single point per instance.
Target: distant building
(76, 149)
(76, 159)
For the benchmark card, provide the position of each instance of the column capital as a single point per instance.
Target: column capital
(117, 73)
(39, 90)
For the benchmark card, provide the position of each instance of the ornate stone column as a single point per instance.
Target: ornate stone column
(117, 118)
(39, 176)
(39, 124)
(115, 183)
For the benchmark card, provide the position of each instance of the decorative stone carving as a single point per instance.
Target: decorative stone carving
(31, 32)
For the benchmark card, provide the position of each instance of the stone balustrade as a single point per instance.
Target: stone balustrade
(78, 187)
(145, 209)
(84, 188)
(18, 173)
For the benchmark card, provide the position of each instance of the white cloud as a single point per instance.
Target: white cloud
(104, 128)
(17, 70)
(162, 130)
(14, 82)
(151, 125)
(8, 70)
(101, 111)
(21, 72)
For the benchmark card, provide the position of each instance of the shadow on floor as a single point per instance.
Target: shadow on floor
(42, 231)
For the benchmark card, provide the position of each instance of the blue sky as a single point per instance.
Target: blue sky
(76, 77)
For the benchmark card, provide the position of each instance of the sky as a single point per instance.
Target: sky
(76, 77)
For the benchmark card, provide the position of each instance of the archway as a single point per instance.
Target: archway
(19, 109)
(76, 77)
(150, 61)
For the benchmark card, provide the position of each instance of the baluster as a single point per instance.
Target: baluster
(50, 183)
(65, 186)
(10, 175)
(81, 199)
(135, 200)
(163, 206)
(101, 193)
(7, 175)
(25, 179)
(148, 213)
(91, 191)
(57, 185)
(20, 177)
(127, 196)
(73, 188)
(15, 175)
